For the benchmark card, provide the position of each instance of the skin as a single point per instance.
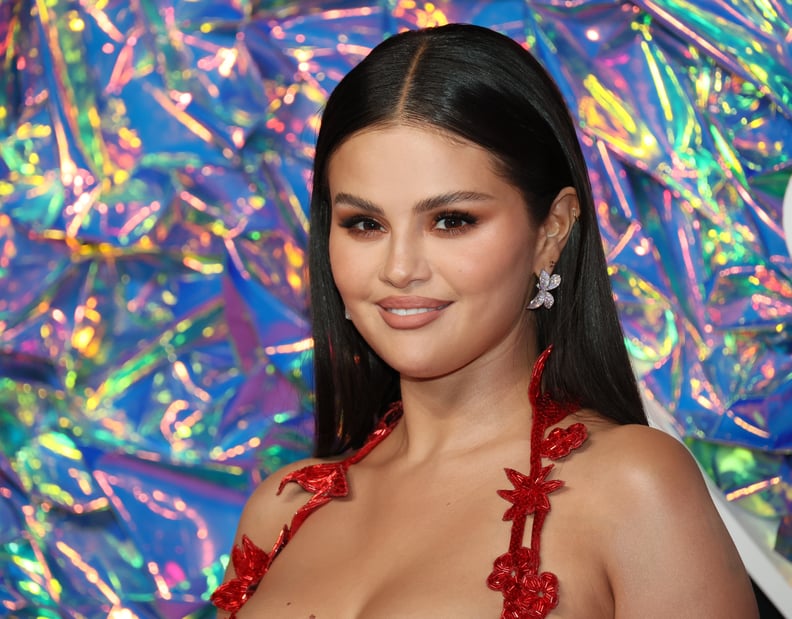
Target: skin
(632, 534)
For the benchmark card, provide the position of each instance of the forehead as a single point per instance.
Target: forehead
(406, 159)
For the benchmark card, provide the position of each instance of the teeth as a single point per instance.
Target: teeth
(411, 311)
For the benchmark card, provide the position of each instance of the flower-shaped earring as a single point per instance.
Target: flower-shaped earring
(546, 283)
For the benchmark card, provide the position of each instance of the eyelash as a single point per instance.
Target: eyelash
(466, 219)
(352, 223)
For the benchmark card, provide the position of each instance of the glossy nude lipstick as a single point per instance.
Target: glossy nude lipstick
(410, 312)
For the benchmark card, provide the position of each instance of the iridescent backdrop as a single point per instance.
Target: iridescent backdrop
(154, 348)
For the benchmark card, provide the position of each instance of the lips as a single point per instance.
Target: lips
(411, 312)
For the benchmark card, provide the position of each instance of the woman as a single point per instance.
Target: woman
(457, 270)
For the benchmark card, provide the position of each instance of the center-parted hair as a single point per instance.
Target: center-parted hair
(484, 87)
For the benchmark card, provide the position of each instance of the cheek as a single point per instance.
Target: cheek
(337, 267)
(343, 266)
(504, 262)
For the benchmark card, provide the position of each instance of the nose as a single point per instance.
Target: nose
(405, 261)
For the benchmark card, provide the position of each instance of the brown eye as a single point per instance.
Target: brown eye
(359, 224)
(367, 225)
(453, 221)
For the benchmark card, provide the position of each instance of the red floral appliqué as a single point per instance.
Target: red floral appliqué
(327, 479)
(250, 564)
(512, 569)
(538, 596)
(561, 441)
(527, 593)
(529, 494)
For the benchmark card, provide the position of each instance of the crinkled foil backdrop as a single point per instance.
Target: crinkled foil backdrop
(154, 164)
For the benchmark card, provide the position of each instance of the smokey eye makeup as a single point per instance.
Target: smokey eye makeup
(360, 224)
(454, 222)
(446, 222)
(450, 222)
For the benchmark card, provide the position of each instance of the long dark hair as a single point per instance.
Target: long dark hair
(486, 88)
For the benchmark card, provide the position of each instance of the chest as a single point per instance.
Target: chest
(398, 548)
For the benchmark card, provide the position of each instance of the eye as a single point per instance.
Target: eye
(359, 224)
(454, 222)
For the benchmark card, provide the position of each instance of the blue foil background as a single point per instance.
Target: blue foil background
(154, 344)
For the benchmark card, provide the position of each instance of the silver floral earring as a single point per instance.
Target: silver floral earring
(347, 315)
(545, 284)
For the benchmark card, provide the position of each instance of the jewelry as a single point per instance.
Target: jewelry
(546, 283)
(347, 315)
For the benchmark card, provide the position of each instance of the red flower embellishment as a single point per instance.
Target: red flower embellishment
(511, 570)
(250, 564)
(529, 495)
(561, 441)
(535, 600)
(327, 479)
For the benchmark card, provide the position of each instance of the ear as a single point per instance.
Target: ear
(554, 230)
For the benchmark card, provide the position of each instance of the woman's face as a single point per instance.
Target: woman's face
(432, 251)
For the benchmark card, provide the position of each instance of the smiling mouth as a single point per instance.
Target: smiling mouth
(414, 310)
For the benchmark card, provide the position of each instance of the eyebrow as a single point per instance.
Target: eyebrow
(427, 204)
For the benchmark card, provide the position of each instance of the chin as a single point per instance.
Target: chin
(421, 371)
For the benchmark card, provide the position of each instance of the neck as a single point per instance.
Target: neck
(483, 404)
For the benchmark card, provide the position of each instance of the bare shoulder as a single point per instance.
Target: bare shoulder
(651, 480)
(267, 510)
(665, 548)
(646, 460)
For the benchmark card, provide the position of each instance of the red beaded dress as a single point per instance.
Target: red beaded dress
(528, 593)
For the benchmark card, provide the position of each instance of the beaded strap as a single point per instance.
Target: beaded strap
(527, 592)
